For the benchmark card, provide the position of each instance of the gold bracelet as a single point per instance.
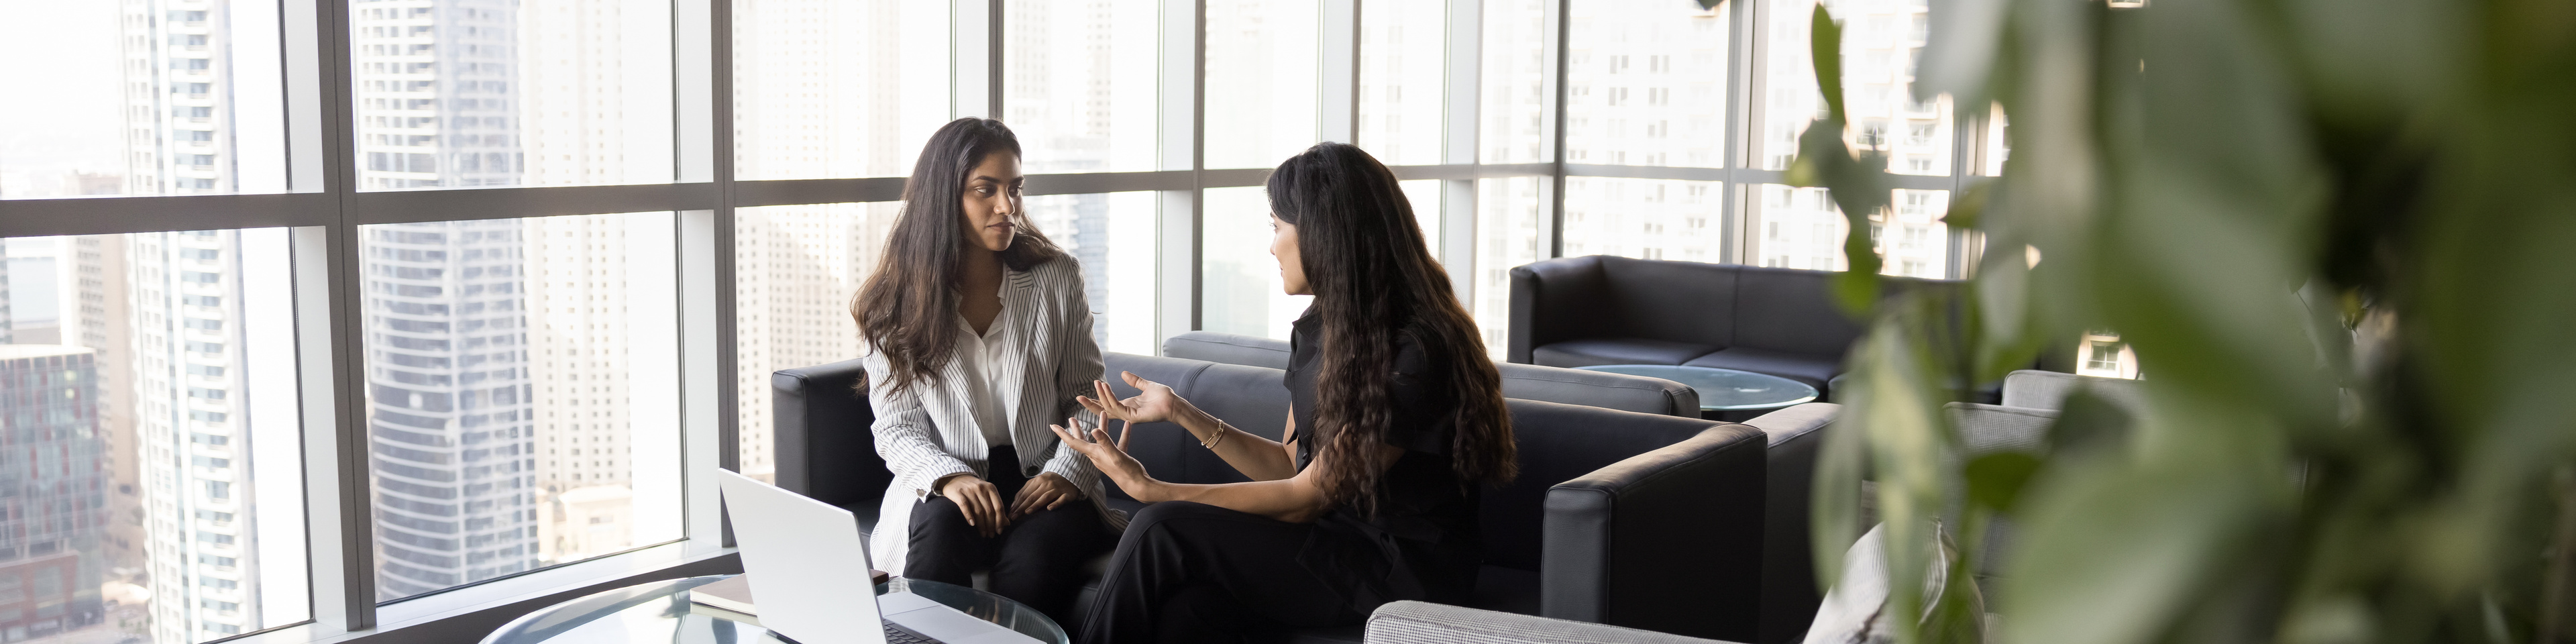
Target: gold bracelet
(1221, 429)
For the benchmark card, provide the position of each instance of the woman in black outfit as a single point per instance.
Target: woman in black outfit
(1396, 423)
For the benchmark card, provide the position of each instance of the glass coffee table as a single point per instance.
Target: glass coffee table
(660, 612)
(1722, 390)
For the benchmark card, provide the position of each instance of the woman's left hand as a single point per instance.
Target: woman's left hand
(1046, 492)
(1104, 453)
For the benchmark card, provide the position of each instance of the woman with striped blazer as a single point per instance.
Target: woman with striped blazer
(976, 335)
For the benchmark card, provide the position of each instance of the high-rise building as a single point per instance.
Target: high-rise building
(449, 410)
(450, 415)
(96, 315)
(6, 335)
(436, 93)
(501, 399)
(822, 90)
(49, 558)
(191, 432)
(163, 313)
(176, 79)
(580, 363)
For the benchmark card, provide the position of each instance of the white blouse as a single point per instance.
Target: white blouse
(980, 356)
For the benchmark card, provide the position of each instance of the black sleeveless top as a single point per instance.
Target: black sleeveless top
(1423, 535)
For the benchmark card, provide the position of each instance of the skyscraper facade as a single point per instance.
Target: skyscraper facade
(502, 413)
(823, 89)
(163, 313)
(449, 409)
(190, 432)
(49, 540)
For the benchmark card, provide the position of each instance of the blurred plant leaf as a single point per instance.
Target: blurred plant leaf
(1995, 480)
(1825, 48)
(2334, 232)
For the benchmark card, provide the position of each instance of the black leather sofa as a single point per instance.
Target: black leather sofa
(1623, 518)
(1789, 595)
(1602, 309)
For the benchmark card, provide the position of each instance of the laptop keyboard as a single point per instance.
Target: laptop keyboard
(897, 635)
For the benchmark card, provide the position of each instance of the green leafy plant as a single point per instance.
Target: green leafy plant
(2340, 235)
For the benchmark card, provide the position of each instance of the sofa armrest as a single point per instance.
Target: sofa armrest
(1545, 303)
(1411, 622)
(820, 433)
(1789, 594)
(1669, 540)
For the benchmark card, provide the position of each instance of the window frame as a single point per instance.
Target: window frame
(324, 210)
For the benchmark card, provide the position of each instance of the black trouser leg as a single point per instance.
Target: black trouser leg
(1041, 557)
(944, 548)
(1189, 572)
(1036, 560)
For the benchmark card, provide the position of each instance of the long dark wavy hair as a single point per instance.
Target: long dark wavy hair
(1374, 280)
(908, 308)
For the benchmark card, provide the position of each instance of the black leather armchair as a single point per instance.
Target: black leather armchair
(823, 447)
(1602, 309)
(1678, 500)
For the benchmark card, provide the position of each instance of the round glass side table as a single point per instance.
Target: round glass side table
(660, 612)
(1722, 390)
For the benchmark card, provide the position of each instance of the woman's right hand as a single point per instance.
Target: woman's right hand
(979, 501)
(1153, 403)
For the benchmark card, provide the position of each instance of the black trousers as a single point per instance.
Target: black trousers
(1190, 572)
(1036, 560)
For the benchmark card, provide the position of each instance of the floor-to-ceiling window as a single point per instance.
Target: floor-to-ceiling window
(351, 314)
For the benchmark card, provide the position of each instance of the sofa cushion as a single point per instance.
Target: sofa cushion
(1814, 370)
(1252, 399)
(1790, 310)
(1688, 302)
(1592, 351)
(1229, 348)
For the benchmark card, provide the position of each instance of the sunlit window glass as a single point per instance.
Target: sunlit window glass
(1801, 228)
(522, 394)
(1080, 83)
(1403, 49)
(144, 97)
(478, 93)
(1424, 196)
(1112, 236)
(1646, 83)
(1261, 81)
(795, 270)
(1511, 219)
(1243, 293)
(837, 88)
(158, 484)
(1882, 40)
(1644, 218)
(1513, 98)
(1998, 148)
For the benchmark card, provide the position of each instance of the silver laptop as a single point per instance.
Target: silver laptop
(809, 576)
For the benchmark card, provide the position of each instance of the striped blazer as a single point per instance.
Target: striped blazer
(929, 431)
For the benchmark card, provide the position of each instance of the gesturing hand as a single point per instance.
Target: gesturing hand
(977, 499)
(1110, 457)
(1154, 402)
(1046, 492)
